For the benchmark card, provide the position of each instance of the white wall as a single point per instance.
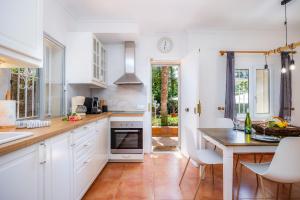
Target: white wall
(296, 91)
(57, 23)
(202, 73)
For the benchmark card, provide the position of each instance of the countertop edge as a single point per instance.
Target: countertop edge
(28, 141)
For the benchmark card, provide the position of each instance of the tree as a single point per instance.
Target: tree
(164, 95)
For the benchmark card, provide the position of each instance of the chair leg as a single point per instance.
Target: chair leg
(277, 191)
(213, 173)
(239, 182)
(262, 186)
(261, 158)
(257, 181)
(237, 161)
(255, 158)
(185, 168)
(198, 187)
(290, 191)
(215, 147)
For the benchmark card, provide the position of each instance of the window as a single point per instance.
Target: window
(262, 92)
(241, 91)
(252, 92)
(52, 74)
(25, 90)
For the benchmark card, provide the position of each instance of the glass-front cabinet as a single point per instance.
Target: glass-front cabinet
(85, 60)
(99, 61)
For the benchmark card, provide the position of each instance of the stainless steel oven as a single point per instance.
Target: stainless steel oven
(126, 137)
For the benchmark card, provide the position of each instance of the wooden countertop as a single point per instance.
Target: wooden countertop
(127, 114)
(230, 137)
(39, 134)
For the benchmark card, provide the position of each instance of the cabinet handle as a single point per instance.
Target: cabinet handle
(73, 145)
(86, 145)
(43, 153)
(86, 162)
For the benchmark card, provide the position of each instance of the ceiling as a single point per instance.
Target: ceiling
(180, 15)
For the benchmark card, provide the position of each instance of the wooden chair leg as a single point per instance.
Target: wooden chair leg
(255, 158)
(237, 161)
(198, 186)
(261, 158)
(290, 191)
(239, 182)
(277, 191)
(262, 186)
(185, 168)
(213, 174)
(257, 181)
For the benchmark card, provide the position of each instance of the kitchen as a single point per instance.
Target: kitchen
(89, 50)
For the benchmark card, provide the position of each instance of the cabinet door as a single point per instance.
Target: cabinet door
(94, 58)
(21, 175)
(102, 141)
(103, 65)
(58, 168)
(21, 27)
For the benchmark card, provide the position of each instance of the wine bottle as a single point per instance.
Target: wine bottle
(248, 124)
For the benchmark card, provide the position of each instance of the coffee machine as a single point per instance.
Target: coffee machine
(92, 105)
(77, 105)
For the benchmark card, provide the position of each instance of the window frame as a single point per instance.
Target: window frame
(43, 79)
(252, 94)
(34, 105)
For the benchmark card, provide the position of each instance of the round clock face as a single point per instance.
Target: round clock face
(165, 45)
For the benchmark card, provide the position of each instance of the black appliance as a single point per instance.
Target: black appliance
(126, 137)
(91, 104)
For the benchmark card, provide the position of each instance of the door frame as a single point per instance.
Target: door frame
(160, 63)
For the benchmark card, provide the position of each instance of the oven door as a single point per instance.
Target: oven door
(126, 140)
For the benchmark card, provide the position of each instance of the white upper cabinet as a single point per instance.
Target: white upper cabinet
(21, 33)
(85, 60)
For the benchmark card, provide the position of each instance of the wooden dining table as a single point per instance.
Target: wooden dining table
(232, 142)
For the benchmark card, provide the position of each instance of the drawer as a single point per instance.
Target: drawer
(77, 135)
(83, 177)
(84, 149)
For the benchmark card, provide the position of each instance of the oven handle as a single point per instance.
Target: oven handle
(126, 131)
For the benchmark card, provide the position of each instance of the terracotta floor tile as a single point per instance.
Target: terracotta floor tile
(158, 177)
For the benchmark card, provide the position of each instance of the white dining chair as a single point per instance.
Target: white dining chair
(284, 167)
(202, 157)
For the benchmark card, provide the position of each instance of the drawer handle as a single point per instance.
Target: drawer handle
(86, 145)
(85, 127)
(86, 162)
(125, 156)
(43, 162)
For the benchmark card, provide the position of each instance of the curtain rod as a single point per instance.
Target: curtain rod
(274, 51)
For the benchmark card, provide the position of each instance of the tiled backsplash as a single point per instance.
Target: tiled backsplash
(125, 98)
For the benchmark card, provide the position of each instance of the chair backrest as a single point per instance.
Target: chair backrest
(191, 144)
(285, 166)
(217, 123)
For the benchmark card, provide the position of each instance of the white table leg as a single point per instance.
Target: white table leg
(227, 173)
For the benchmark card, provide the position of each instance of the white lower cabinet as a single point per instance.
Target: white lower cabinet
(21, 175)
(60, 168)
(90, 155)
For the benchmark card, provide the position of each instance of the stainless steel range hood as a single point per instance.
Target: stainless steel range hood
(129, 78)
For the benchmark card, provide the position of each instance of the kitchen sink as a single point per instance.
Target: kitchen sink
(11, 136)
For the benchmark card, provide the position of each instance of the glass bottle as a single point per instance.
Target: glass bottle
(248, 124)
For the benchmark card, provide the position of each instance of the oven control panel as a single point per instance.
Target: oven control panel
(126, 124)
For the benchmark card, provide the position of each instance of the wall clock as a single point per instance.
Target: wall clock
(165, 45)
